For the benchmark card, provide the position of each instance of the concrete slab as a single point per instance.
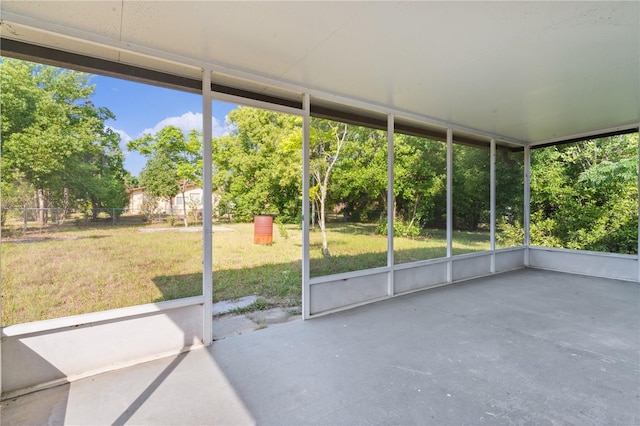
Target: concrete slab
(188, 389)
(229, 326)
(527, 347)
(40, 408)
(269, 316)
(226, 306)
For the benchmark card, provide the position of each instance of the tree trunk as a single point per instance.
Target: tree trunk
(185, 218)
(323, 182)
(413, 215)
(65, 205)
(94, 209)
(42, 208)
(321, 222)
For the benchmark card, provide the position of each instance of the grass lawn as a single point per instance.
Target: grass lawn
(77, 268)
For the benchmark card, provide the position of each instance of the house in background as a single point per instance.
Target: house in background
(187, 200)
(190, 198)
(136, 199)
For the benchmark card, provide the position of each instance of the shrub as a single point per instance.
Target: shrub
(283, 231)
(400, 228)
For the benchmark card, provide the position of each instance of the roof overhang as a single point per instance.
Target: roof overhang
(518, 72)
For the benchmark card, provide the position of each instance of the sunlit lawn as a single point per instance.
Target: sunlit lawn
(74, 269)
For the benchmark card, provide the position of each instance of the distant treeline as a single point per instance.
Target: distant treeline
(57, 151)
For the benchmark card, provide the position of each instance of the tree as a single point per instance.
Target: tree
(258, 167)
(189, 168)
(159, 177)
(360, 177)
(100, 177)
(420, 181)
(16, 194)
(584, 195)
(471, 179)
(509, 198)
(53, 135)
(131, 181)
(327, 139)
(183, 163)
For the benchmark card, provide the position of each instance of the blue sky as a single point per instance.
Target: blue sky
(141, 108)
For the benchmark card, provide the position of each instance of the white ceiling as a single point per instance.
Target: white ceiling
(525, 71)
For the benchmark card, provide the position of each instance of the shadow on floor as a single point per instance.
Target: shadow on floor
(528, 346)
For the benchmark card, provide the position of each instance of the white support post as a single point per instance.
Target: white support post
(306, 275)
(449, 204)
(390, 203)
(492, 202)
(527, 203)
(1, 331)
(207, 211)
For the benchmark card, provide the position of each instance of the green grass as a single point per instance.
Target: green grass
(78, 268)
(258, 305)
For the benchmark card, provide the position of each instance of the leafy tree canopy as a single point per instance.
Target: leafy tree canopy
(54, 137)
(173, 162)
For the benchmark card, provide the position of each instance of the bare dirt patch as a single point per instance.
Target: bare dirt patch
(39, 238)
(189, 229)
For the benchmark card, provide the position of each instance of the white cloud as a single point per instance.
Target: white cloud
(124, 137)
(227, 128)
(187, 122)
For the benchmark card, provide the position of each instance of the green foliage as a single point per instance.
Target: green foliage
(55, 145)
(470, 187)
(174, 161)
(258, 305)
(14, 195)
(585, 195)
(282, 229)
(181, 152)
(54, 137)
(511, 233)
(359, 180)
(420, 180)
(106, 188)
(149, 207)
(131, 181)
(258, 167)
(159, 176)
(400, 228)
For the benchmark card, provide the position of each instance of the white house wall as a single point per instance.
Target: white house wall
(136, 198)
(178, 209)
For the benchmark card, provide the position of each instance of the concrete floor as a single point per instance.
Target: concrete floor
(526, 347)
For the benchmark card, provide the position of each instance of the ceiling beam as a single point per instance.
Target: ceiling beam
(60, 58)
